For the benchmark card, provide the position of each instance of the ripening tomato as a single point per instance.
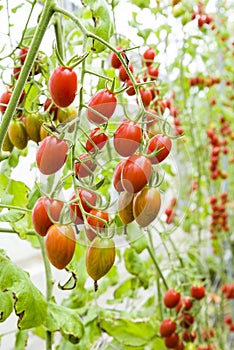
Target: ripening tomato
(33, 124)
(149, 56)
(51, 155)
(117, 176)
(125, 207)
(156, 143)
(198, 292)
(171, 341)
(96, 140)
(86, 198)
(114, 59)
(46, 211)
(67, 114)
(100, 257)
(4, 100)
(17, 134)
(146, 96)
(103, 102)
(123, 75)
(167, 327)
(51, 108)
(95, 224)
(171, 298)
(84, 166)
(136, 173)
(63, 86)
(60, 244)
(127, 138)
(7, 145)
(153, 72)
(191, 346)
(43, 132)
(146, 206)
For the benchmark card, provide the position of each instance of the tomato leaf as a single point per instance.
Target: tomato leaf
(11, 216)
(135, 266)
(6, 305)
(13, 192)
(141, 3)
(21, 340)
(136, 238)
(126, 289)
(29, 304)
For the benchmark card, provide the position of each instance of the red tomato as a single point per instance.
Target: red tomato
(51, 107)
(98, 138)
(123, 75)
(95, 224)
(117, 176)
(171, 341)
(84, 168)
(60, 244)
(149, 55)
(146, 96)
(51, 155)
(23, 54)
(146, 205)
(86, 198)
(127, 138)
(167, 327)
(171, 298)
(186, 320)
(63, 86)
(185, 303)
(198, 292)
(45, 212)
(159, 142)
(136, 173)
(130, 91)
(114, 60)
(104, 102)
(153, 72)
(4, 100)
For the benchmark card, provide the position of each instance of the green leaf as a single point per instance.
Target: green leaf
(67, 321)
(136, 238)
(29, 304)
(13, 192)
(126, 289)
(92, 330)
(21, 340)
(14, 9)
(22, 225)
(141, 3)
(136, 266)
(11, 216)
(6, 305)
(32, 100)
(33, 196)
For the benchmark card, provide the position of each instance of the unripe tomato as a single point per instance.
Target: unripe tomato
(4, 100)
(63, 86)
(117, 176)
(125, 207)
(84, 168)
(148, 56)
(100, 257)
(51, 155)
(94, 224)
(17, 134)
(98, 138)
(104, 102)
(33, 124)
(60, 243)
(159, 142)
(127, 138)
(86, 198)
(65, 115)
(7, 145)
(51, 108)
(190, 346)
(136, 173)
(43, 133)
(146, 205)
(45, 212)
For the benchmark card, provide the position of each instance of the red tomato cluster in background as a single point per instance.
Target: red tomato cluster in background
(219, 215)
(170, 211)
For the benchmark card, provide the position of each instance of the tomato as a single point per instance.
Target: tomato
(125, 207)
(179, 346)
(45, 212)
(114, 60)
(86, 198)
(84, 168)
(33, 124)
(131, 90)
(65, 115)
(171, 298)
(4, 100)
(43, 133)
(94, 224)
(96, 140)
(127, 138)
(189, 337)
(136, 173)
(149, 56)
(23, 54)
(198, 292)
(7, 145)
(100, 257)
(17, 134)
(63, 86)
(146, 206)
(16, 72)
(153, 72)
(184, 302)
(146, 96)
(186, 320)
(117, 176)
(167, 327)
(103, 102)
(60, 244)
(123, 75)
(159, 142)
(190, 346)
(171, 341)
(51, 108)
(152, 126)
(51, 155)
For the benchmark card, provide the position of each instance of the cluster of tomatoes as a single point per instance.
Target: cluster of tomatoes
(203, 81)
(170, 211)
(176, 331)
(202, 17)
(219, 215)
(228, 292)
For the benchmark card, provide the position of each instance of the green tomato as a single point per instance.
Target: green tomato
(190, 346)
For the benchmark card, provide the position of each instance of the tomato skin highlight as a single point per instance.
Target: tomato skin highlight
(127, 138)
(96, 224)
(60, 243)
(51, 155)
(146, 206)
(104, 102)
(136, 173)
(158, 142)
(63, 86)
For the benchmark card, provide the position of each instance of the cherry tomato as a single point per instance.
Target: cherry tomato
(104, 102)
(152, 126)
(45, 212)
(191, 346)
(146, 205)
(84, 168)
(7, 145)
(127, 138)
(60, 244)
(153, 72)
(16, 72)
(4, 100)
(186, 320)
(23, 54)
(63, 86)
(51, 155)
(136, 173)
(51, 108)
(33, 124)
(159, 142)
(86, 198)
(171, 341)
(125, 207)
(117, 176)
(67, 114)
(123, 75)
(167, 327)
(171, 298)
(148, 56)
(189, 336)
(114, 60)
(198, 292)
(17, 134)
(146, 96)
(180, 346)
(130, 91)
(185, 303)
(94, 224)
(98, 138)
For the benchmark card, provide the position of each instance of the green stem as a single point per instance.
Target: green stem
(10, 230)
(15, 208)
(26, 69)
(59, 35)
